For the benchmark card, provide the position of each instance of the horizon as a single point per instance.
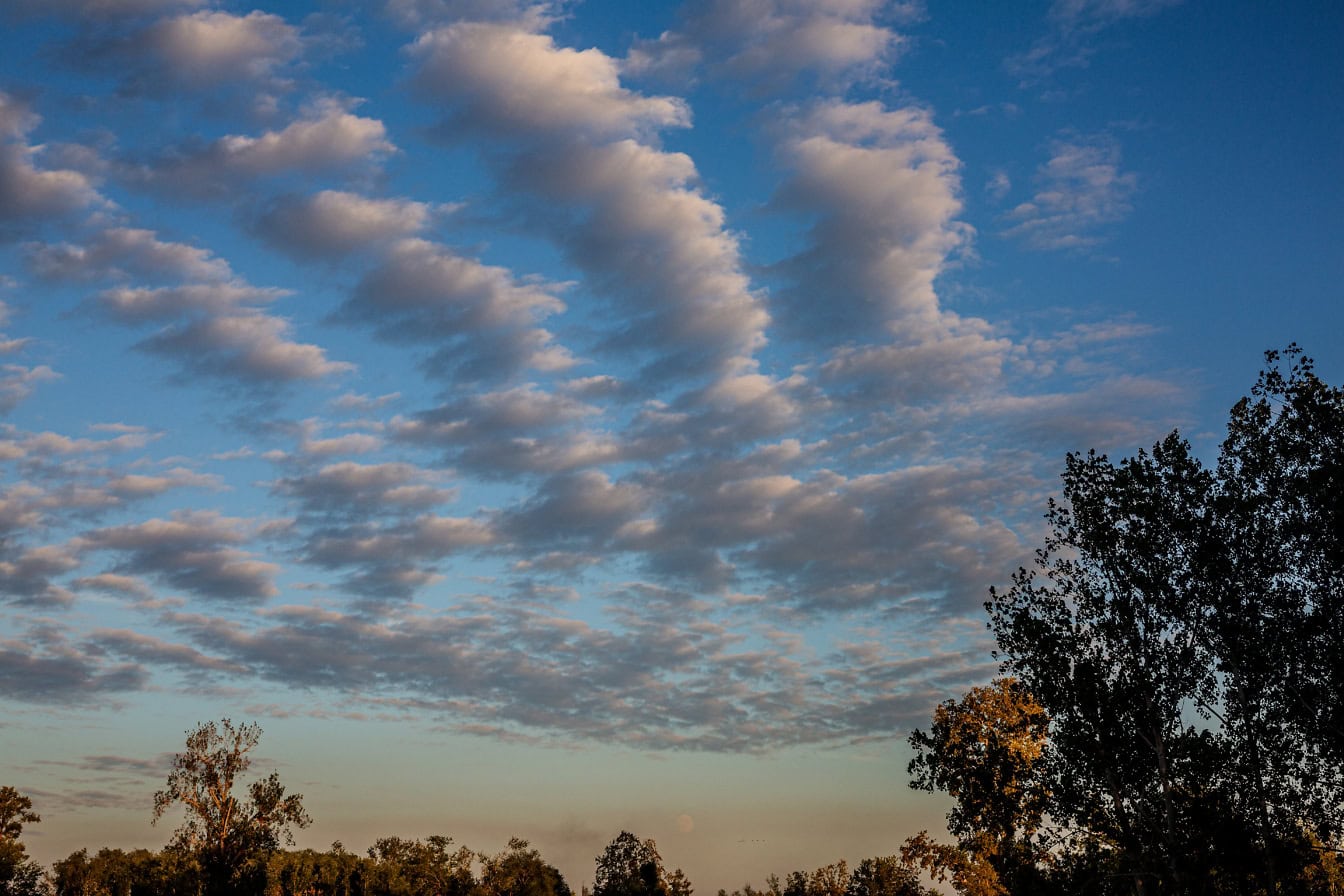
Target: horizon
(552, 419)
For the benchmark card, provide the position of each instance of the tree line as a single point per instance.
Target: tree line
(1169, 719)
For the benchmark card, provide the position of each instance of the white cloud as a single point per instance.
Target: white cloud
(770, 42)
(332, 223)
(123, 251)
(1080, 189)
(507, 79)
(327, 137)
(885, 189)
(205, 47)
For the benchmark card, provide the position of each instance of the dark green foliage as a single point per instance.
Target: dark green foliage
(433, 867)
(520, 871)
(630, 867)
(115, 872)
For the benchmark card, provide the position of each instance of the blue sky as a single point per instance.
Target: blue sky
(549, 419)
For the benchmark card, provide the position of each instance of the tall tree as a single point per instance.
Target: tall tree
(1181, 628)
(230, 836)
(630, 867)
(19, 875)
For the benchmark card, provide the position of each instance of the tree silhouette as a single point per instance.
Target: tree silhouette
(1181, 628)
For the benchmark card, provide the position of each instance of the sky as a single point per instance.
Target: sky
(548, 419)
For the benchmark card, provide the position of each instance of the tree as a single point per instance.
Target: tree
(630, 867)
(987, 752)
(16, 810)
(884, 876)
(231, 837)
(19, 875)
(1181, 629)
(430, 868)
(520, 871)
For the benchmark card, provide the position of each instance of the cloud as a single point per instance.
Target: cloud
(247, 346)
(206, 52)
(1073, 25)
(332, 224)
(28, 194)
(510, 81)
(149, 650)
(64, 678)
(17, 383)
(205, 47)
(211, 328)
(646, 681)
(120, 252)
(1080, 190)
(523, 429)
(882, 190)
(27, 575)
(347, 488)
(327, 138)
(481, 320)
(194, 551)
(768, 44)
(629, 215)
(99, 9)
(395, 559)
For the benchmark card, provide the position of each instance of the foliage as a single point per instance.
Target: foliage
(630, 867)
(19, 875)
(986, 751)
(413, 868)
(230, 837)
(1181, 630)
(115, 872)
(520, 871)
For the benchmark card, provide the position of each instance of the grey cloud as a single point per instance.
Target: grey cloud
(195, 552)
(148, 650)
(26, 575)
(17, 383)
(328, 137)
(481, 320)
(1080, 190)
(331, 223)
(394, 560)
(62, 678)
(123, 251)
(419, 13)
(654, 680)
(518, 430)
(584, 507)
(28, 194)
(99, 9)
(209, 52)
(138, 304)
(769, 44)
(826, 542)
(351, 489)
(249, 346)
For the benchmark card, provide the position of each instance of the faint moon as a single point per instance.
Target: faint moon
(685, 824)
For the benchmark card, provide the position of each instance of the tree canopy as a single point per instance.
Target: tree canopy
(1176, 660)
(229, 835)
